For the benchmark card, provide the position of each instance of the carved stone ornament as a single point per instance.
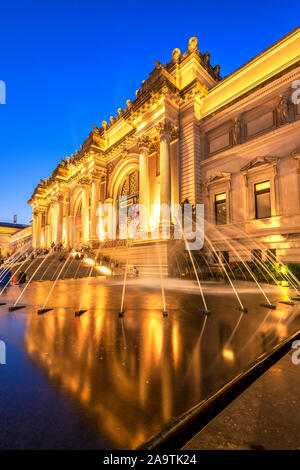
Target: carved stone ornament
(96, 175)
(110, 168)
(125, 153)
(282, 110)
(144, 142)
(236, 130)
(174, 133)
(206, 57)
(296, 155)
(85, 181)
(164, 128)
(217, 71)
(193, 44)
(176, 54)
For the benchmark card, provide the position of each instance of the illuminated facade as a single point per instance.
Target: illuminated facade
(12, 235)
(232, 144)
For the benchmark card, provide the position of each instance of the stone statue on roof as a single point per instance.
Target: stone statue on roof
(193, 44)
(217, 71)
(206, 57)
(176, 56)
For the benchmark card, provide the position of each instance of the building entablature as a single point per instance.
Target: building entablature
(270, 63)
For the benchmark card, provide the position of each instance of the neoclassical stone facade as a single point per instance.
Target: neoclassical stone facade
(230, 143)
(12, 237)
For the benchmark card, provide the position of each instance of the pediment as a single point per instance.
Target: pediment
(296, 153)
(258, 162)
(218, 177)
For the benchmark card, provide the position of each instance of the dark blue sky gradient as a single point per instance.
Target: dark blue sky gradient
(69, 65)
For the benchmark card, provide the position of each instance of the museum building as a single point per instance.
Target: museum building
(232, 144)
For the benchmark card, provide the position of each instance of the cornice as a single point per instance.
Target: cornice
(252, 91)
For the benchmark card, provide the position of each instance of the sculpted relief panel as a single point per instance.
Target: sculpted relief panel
(260, 124)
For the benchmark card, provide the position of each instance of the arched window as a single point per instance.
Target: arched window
(130, 185)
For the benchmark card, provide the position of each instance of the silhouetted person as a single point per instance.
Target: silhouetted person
(22, 278)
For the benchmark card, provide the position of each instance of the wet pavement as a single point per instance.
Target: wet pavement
(101, 382)
(264, 417)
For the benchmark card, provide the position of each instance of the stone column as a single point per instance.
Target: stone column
(66, 210)
(46, 241)
(71, 222)
(96, 177)
(111, 222)
(144, 192)
(34, 228)
(59, 219)
(54, 210)
(85, 230)
(175, 170)
(38, 228)
(165, 165)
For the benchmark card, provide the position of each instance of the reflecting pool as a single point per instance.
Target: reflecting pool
(103, 382)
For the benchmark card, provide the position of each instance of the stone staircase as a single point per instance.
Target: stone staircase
(49, 267)
(150, 258)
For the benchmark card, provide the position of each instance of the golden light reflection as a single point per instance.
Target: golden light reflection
(175, 343)
(130, 376)
(228, 354)
(104, 270)
(85, 357)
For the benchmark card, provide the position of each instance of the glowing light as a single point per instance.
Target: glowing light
(220, 197)
(104, 270)
(89, 261)
(284, 271)
(228, 354)
(262, 186)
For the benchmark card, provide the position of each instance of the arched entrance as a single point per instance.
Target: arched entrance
(128, 199)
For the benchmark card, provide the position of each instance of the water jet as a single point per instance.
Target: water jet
(44, 310)
(16, 307)
(79, 313)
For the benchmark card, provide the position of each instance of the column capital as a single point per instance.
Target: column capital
(164, 128)
(66, 199)
(96, 175)
(53, 200)
(85, 181)
(174, 133)
(296, 155)
(61, 197)
(144, 143)
(39, 210)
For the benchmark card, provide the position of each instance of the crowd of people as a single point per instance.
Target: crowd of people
(21, 277)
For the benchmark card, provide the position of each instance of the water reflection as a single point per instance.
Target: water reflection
(130, 377)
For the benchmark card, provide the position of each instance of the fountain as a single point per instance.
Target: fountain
(140, 355)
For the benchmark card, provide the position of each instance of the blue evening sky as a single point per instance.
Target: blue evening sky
(71, 64)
